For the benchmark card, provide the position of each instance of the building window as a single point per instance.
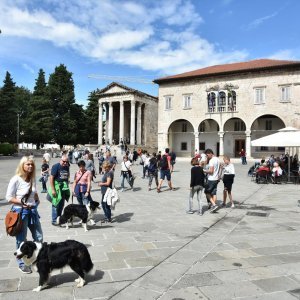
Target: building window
(285, 93)
(211, 102)
(222, 102)
(187, 101)
(231, 104)
(184, 127)
(184, 146)
(268, 124)
(202, 127)
(259, 96)
(202, 146)
(168, 102)
(239, 126)
(262, 148)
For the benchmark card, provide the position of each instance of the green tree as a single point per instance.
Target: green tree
(92, 116)
(8, 120)
(39, 121)
(62, 97)
(23, 96)
(81, 126)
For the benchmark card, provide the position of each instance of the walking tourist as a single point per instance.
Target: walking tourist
(165, 170)
(228, 177)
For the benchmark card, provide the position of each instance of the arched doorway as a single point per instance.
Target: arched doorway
(262, 126)
(208, 136)
(234, 137)
(181, 138)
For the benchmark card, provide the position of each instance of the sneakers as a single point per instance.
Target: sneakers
(232, 205)
(122, 190)
(44, 191)
(223, 204)
(149, 189)
(189, 212)
(214, 208)
(92, 222)
(25, 269)
(200, 213)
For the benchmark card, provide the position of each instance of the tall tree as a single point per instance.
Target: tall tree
(62, 97)
(92, 117)
(8, 120)
(39, 122)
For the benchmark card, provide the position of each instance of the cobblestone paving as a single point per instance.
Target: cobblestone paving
(154, 250)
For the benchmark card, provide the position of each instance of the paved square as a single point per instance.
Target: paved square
(154, 250)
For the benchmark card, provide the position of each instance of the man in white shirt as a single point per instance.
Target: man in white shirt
(212, 178)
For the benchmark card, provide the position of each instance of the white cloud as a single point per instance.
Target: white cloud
(257, 22)
(286, 54)
(28, 68)
(160, 36)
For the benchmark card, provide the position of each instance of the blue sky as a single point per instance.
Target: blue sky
(144, 39)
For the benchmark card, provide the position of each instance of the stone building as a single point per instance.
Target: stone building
(130, 115)
(224, 107)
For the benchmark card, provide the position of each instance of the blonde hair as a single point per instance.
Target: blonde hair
(20, 168)
(106, 165)
(226, 157)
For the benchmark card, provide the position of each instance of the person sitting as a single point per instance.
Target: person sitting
(276, 172)
(262, 172)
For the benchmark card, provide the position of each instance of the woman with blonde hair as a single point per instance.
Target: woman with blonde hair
(228, 178)
(106, 182)
(22, 194)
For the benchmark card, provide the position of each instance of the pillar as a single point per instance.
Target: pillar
(121, 129)
(139, 125)
(248, 143)
(132, 123)
(106, 122)
(100, 124)
(196, 142)
(111, 122)
(221, 135)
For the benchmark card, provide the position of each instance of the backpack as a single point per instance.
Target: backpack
(164, 162)
(152, 166)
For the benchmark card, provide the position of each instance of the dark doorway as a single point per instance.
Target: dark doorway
(238, 146)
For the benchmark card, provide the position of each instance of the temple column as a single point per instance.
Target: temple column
(111, 122)
(100, 124)
(132, 123)
(139, 124)
(121, 129)
(106, 122)
(248, 143)
(221, 135)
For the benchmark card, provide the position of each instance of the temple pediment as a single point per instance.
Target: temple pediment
(115, 89)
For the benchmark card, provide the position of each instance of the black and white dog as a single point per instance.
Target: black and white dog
(46, 257)
(83, 212)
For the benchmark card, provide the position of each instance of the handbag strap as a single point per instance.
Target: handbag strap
(79, 178)
(26, 196)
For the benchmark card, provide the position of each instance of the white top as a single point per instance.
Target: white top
(125, 164)
(47, 156)
(17, 188)
(214, 162)
(229, 169)
(147, 161)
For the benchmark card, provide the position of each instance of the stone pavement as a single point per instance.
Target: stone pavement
(154, 250)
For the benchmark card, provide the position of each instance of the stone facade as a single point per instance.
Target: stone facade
(226, 111)
(130, 115)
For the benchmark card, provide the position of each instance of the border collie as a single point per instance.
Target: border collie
(83, 212)
(46, 257)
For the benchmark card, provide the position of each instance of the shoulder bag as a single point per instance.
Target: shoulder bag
(13, 219)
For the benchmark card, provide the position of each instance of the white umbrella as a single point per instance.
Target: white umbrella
(285, 137)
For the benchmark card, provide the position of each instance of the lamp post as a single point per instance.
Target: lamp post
(18, 130)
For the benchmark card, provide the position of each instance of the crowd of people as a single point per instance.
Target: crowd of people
(206, 172)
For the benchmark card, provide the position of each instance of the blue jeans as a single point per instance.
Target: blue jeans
(106, 208)
(123, 176)
(34, 225)
(82, 200)
(57, 211)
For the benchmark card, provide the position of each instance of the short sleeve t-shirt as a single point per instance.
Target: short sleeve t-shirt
(214, 162)
(109, 174)
(60, 173)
